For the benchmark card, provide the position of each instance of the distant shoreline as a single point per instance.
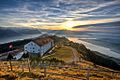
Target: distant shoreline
(99, 48)
(100, 43)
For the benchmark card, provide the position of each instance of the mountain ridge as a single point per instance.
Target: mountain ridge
(6, 32)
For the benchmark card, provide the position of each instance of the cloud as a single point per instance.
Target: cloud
(37, 12)
(105, 22)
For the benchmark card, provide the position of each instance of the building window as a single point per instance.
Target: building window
(25, 47)
(31, 44)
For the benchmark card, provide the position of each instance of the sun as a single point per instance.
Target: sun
(69, 25)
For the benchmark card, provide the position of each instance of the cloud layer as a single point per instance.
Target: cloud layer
(53, 13)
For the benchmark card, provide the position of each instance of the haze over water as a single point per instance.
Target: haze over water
(98, 48)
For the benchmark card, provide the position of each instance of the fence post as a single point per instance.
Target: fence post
(44, 66)
(88, 73)
(29, 65)
(10, 65)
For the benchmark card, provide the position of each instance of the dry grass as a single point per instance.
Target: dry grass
(53, 73)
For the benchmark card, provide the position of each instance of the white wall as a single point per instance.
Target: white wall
(34, 48)
(46, 47)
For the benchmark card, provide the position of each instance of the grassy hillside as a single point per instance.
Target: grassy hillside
(54, 66)
(95, 57)
(62, 53)
(85, 53)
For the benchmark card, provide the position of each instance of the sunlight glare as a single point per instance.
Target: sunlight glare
(69, 24)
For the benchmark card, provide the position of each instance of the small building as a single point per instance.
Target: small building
(39, 46)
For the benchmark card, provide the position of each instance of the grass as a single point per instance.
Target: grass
(62, 53)
(53, 73)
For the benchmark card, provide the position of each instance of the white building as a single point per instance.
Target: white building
(39, 46)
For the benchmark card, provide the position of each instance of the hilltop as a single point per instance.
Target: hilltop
(85, 53)
(67, 61)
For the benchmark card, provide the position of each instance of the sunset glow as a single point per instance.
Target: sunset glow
(58, 14)
(69, 24)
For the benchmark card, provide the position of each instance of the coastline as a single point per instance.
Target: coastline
(98, 48)
(101, 43)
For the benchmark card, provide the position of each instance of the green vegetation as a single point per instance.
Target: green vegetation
(16, 45)
(53, 66)
(86, 54)
(62, 53)
(95, 57)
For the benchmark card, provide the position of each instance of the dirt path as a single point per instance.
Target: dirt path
(75, 56)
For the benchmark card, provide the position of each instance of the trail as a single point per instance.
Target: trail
(75, 56)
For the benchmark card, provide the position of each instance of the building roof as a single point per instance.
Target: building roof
(42, 41)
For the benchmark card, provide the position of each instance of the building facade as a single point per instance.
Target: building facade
(39, 46)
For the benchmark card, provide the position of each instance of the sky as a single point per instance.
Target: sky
(57, 14)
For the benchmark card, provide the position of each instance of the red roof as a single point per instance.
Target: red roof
(42, 41)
